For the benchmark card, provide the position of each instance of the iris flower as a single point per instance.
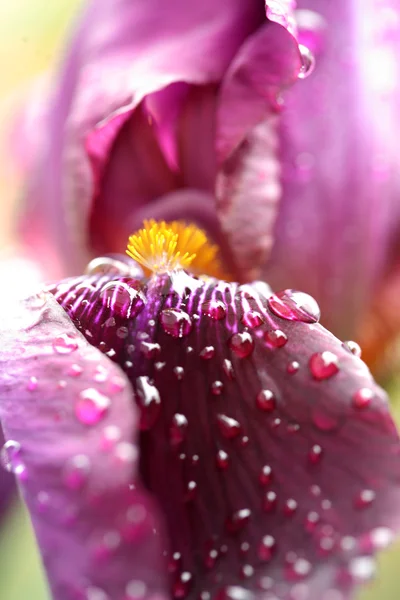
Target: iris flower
(175, 434)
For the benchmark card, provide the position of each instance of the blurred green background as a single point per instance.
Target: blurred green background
(32, 33)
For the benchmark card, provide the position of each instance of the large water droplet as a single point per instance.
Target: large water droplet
(324, 365)
(307, 62)
(215, 309)
(150, 350)
(252, 319)
(149, 401)
(124, 297)
(229, 428)
(294, 306)
(65, 344)
(117, 265)
(362, 398)
(176, 322)
(207, 352)
(352, 347)
(241, 344)
(91, 406)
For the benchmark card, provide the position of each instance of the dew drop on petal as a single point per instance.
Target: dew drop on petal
(252, 319)
(113, 265)
(179, 372)
(364, 499)
(175, 322)
(238, 520)
(290, 507)
(91, 406)
(124, 297)
(207, 352)
(275, 338)
(215, 309)
(32, 384)
(293, 367)
(323, 420)
(149, 402)
(76, 471)
(217, 387)
(65, 344)
(307, 62)
(265, 476)
(323, 365)
(222, 460)
(270, 501)
(178, 429)
(74, 370)
(125, 453)
(182, 585)
(266, 548)
(228, 369)
(266, 401)
(111, 436)
(294, 306)
(135, 590)
(315, 454)
(150, 350)
(362, 398)
(241, 344)
(352, 347)
(10, 457)
(362, 568)
(229, 428)
(299, 569)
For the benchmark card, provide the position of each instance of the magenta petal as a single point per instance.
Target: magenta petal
(266, 441)
(70, 422)
(340, 205)
(122, 52)
(248, 184)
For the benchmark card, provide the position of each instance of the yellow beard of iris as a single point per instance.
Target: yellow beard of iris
(162, 247)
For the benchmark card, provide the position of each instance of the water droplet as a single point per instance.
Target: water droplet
(229, 428)
(175, 563)
(293, 367)
(234, 592)
(246, 572)
(65, 344)
(91, 406)
(32, 384)
(266, 401)
(207, 353)
(10, 456)
(362, 568)
(217, 387)
(149, 401)
(76, 471)
(191, 490)
(265, 476)
(117, 384)
(252, 319)
(290, 507)
(178, 429)
(150, 350)
(364, 499)
(352, 347)
(135, 590)
(307, 62)
(299, 569)
(362, 398)
(125, 453)
(74, 370)
(124, 297)
(275, 338)
(100, 374)
(266, 548)
(315, 454)
(182, 585)
(95, 593)
(228, 369)
(312, 520)
(238, 520)
(241, 344)
(323, 420)
(270, 501)
(381, 537)
(222, 460)
(215, 309)
(111, 435)
(324, 365)
(211, 558)
(113, 265)
(175, 322)
(179, 372)
(294, 306)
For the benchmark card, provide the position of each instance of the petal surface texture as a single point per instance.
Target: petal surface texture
(70, 422)
(264, 439)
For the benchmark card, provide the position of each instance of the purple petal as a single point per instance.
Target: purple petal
(265, 440)
(340, 147)
(70, 422)
(248, 186)
(121, 52)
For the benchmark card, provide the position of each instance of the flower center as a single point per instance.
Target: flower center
(162, 247)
